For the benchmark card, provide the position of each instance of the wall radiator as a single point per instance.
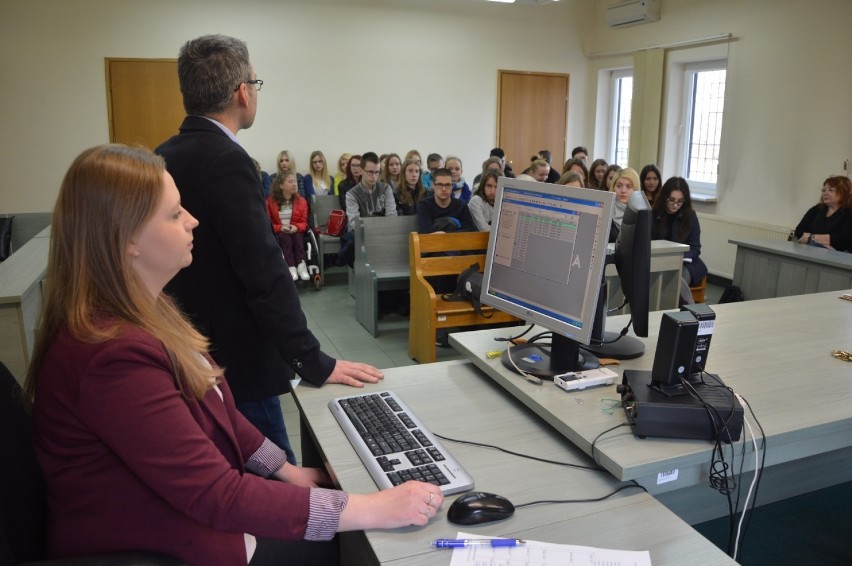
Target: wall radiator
(717, 253)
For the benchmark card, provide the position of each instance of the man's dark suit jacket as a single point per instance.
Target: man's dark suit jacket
(238, 290)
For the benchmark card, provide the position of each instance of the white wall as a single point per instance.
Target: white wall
(340, 75)
(788, 116)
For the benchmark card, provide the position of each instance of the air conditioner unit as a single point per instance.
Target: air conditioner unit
(632, 12)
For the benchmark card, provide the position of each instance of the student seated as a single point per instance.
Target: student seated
(136, 430)
(481, 205)
(675, 221)
(650, 179)
(319, 181)
(460, 188)
(578, 165)
(288, 212)
(442, 213)
(368, 198)
(410, 191)
(597, 174)
(829, 222)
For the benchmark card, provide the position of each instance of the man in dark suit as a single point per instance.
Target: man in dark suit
(238, 290)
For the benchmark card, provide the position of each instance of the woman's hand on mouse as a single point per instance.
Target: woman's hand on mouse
(412, 503)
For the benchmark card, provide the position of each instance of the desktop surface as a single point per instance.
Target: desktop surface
(454, 399)
(775, 352)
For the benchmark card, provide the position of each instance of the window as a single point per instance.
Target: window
(622, 98)
(704, 102)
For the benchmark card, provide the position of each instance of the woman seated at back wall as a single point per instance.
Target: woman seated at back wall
(674, 220)
(829, 222)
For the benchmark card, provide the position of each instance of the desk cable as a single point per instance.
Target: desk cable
(720, 468)
(632, 485)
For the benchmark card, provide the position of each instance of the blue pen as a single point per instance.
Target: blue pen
(461, 543)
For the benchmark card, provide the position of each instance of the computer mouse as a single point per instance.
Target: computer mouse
(478, 507)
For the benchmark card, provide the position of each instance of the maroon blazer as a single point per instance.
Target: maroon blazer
(131, 464)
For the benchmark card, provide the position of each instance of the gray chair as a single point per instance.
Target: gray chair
(321, 207)
(22, 495)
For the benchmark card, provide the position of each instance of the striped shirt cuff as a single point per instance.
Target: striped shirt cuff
(266, 460)
(326, 505)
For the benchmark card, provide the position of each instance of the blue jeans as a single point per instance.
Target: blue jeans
(267, 416)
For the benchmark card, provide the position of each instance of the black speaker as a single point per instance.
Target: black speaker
(675, 346)
(706, 321)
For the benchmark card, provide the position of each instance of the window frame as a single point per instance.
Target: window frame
(703, 190)
(617, 75)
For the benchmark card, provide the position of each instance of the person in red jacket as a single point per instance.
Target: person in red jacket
(288, 211)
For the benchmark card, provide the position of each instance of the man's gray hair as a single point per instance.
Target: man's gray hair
(210, 68)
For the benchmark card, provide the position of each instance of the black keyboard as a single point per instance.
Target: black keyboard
(394, 445)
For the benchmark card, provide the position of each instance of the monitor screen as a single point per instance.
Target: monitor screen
(547, 253)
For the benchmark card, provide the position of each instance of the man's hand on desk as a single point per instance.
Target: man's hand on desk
(354, 374)
(412, 503)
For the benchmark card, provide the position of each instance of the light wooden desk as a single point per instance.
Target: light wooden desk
(21, 276)
(775, 352)
(768, 268)
(666, 265)
(454, 399)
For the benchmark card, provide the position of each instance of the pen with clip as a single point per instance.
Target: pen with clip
(461, 543)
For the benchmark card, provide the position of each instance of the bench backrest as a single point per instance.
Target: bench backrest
(383, 241)
(26, 225)
(468, 248)
(322, 207)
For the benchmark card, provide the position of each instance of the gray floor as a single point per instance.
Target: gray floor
(331, 317)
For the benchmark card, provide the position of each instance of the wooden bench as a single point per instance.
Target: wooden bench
(381, 263)
(429, 311)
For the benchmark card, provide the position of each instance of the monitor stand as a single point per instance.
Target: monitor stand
(562, 356)
(624, 348)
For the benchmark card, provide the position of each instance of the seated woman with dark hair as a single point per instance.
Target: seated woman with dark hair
(578, 165)
(674, 220)
(597, 175)
(829, 222)
(410, 191)
(353, 177)
(136, 430)
(481, 205)
(650, 179)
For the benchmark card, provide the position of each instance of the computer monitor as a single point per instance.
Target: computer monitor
(545, 263)
(632, 260)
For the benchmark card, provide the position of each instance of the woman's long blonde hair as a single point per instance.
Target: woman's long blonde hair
(107, 196)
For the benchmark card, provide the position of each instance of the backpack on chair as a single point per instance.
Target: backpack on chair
(469, 288)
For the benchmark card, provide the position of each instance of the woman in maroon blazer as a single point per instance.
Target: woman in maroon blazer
(137, 433)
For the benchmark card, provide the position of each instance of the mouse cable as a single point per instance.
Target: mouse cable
(594, 457)
(536, 458)
(632, 485)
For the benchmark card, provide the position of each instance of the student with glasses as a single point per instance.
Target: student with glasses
(674, 220)
(370, 197)
(319, 181)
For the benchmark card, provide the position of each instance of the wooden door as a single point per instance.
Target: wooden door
(143, 100)
(532, 115)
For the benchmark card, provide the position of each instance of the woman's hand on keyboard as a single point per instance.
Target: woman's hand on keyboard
(412, 503)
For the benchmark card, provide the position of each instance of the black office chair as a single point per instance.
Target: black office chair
(22, 494)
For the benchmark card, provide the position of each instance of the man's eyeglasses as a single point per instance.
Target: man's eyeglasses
(257, 82)
(675, 202)
(442, 185)
(371, 173)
